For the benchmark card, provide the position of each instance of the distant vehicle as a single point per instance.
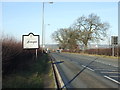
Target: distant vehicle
(58, 51)
(47, 50)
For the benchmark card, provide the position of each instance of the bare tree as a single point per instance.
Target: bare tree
(66, 37)
(85, 29)
(90, 28)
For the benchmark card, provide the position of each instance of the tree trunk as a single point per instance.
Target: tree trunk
(85, 47)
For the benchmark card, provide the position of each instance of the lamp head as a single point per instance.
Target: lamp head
(51, 2)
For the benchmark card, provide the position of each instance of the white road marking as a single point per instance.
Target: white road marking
(88, 68)
(109, 72)
(112, 79)
(105, 69)
(83, 65)
(106, 64)
(99, 69)
(115, 66)
(114, 76)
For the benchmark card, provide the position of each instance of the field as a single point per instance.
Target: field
(98, 51)
(103, 51)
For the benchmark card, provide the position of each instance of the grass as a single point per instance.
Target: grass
(105, 56)
(20, 70)
(37, 76)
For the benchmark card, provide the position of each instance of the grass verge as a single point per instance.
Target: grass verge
(103, 56)
(37, 76)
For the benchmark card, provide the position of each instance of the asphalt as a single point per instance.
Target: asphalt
(102, 73)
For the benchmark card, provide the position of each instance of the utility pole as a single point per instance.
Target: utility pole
(43, 25)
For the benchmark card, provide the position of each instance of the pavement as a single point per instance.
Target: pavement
(102, 73)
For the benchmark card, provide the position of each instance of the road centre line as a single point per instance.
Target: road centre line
(111, 79)
(113, 76)
(100, 61)
(109, 72)
(88, 68)
(104, 69)
(104, 76)
(106, 64)
(115, 66)
(83, 65)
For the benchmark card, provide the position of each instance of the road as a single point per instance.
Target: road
(103, 73)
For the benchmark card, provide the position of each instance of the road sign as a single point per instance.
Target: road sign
(114, 40)
(30, 41)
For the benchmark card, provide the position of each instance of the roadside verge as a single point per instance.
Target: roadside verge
(58, 79)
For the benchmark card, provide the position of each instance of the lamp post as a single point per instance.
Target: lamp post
(43, 24)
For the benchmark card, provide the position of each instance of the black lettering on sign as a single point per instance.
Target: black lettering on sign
(32, 42)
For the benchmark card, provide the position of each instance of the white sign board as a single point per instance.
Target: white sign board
(30, 41)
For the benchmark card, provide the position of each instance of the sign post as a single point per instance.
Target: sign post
(114, 42)
(36, 54)
(30, 41)
(113, 50)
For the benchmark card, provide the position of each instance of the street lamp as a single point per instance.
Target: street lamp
(43, 25)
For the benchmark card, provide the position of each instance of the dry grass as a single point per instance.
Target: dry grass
(103, 51)
(13, 55)
(20, 69)
(100, 52)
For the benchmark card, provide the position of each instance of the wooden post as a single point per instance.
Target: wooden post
(113, 50)
(36, 54)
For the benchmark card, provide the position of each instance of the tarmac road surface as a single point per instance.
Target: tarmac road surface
(103, 73)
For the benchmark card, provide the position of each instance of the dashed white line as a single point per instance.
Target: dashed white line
(88, 68)
(109, 72)
(105, 70)
(114, 76)
(106, 64)
(112, 79)
(99, 69)
(113, 66)
(83, 66)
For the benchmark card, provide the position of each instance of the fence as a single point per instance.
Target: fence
(98, 51)
(103, 51)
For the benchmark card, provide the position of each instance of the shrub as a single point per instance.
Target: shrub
(14, 57)
(103, 51)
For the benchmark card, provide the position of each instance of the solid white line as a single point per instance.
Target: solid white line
(111, 79)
